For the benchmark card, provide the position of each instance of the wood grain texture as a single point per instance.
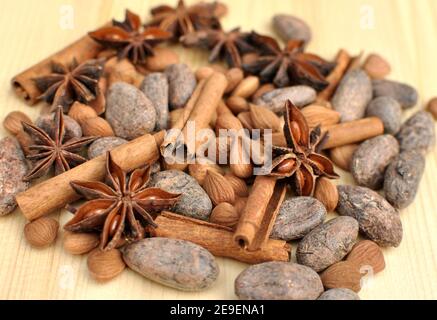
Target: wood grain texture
(403, 31)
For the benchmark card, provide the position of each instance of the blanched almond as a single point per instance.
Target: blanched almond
(246, 87)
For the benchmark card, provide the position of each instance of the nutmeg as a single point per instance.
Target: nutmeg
(225, 214)
(80, 243)
(12, 121)
(218, 188)
(326, 192)
(41, 232)
(105, 265)
(98, 127)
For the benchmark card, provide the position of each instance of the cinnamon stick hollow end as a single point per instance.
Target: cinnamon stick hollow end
(24, 85)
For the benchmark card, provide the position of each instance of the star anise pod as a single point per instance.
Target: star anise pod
(121, 207)
(69, 83)
(288, 66)
(184, 19)
(228, 45)
(129, 39)
(51, 150)
(299, 162)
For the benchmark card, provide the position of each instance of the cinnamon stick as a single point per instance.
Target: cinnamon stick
(352, 132)
(342, 60)
(259, 214)
(56, 192)
(200, 109)
(217, 239)
(83, 49)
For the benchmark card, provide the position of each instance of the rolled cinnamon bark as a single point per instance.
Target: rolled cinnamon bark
(352, 132)
(200, 109)
(24, 85)
(56, 193)
(343, 59)
(259, 214)
(217, 239)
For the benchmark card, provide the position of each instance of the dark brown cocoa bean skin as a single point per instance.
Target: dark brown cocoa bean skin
(353, 95)
(278, 281)
(328, 243)
(388, 110)
(417, 133)
(298, 216)
(339, 294)
(181, 84)
(378, 220)
(289, 27)
(402, 178)
(405, 94)
(372, 158)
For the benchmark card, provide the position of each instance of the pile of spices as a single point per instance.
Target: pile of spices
(113, 94)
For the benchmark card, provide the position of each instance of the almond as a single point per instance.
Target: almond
(246, 87)
(99, 103)
(342, 156)
(81, 112)
(263, 118)
(175, 115)
(227, 121)
(245, 120)
(25, 141)
(318, 115)
(242, 170)
(262, 90)
(240, 203)
(225, 214)
(80, 243)
(238, 184)
(278, 139)
(239, 161)
(237, 104)
(367, 253)
(121, 71)
(98, 127)
(105, 265)
(222, 149)
(376, 66)
(12, 121)
(432, 107)
(198, 171)
(343, 274)
(326, 192)
(204, 73)
(218, 188)
(41, 232)
(162, 58)
(234, 77)
(174, 166)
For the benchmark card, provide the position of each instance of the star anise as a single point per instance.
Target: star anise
(287, 66)
(51, 150)
(183, 19)
(299, 162)
(130, 39)
(120, 207)
(69, 83)
(228, 45)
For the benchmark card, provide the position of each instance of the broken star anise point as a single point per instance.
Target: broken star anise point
(50, 150)
(121, 207)
(299, 162)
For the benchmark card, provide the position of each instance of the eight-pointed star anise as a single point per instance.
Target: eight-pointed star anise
(50, 149)
(300, 161)
(228, 45)
(121, 207)
(287, 66)
(183, 19)
(130, 39)
(69, 83)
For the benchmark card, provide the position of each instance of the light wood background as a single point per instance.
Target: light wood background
(403, 31)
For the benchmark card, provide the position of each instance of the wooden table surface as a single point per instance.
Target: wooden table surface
(403, 31)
